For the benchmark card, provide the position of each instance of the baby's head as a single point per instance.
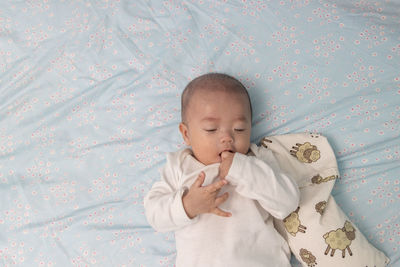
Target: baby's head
(216, 117)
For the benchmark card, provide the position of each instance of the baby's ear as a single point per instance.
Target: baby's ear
(185, 133)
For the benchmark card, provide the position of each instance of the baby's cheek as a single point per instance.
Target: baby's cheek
(242, 150)
(243, 146)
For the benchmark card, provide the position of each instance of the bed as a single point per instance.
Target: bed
(90, 104)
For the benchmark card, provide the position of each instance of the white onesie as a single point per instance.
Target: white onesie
(257, 189)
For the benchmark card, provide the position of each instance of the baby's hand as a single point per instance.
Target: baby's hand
(203, 199)
(227, 158)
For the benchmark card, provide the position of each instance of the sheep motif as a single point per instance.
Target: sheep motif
(308, 257)
(306, 152)
(340, 239)
(264, 142)
(320, 207)
(317, 179)
(292, 223)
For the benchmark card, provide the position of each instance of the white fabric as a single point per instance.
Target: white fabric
(256, 189)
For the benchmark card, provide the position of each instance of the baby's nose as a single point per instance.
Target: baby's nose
(227, 137)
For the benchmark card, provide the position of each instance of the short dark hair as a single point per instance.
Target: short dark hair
(234, 85)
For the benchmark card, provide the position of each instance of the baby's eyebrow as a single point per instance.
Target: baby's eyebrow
(212, 119)
(244, 119)
(241, 119)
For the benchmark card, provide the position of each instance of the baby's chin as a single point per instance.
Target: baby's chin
(209, 161)
(216, 159)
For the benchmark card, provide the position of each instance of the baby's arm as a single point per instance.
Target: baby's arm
(163, 203)
(277, 193)
(170, 207)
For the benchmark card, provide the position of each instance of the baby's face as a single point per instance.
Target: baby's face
(216, 122)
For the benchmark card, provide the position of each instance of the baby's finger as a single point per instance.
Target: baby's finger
(214, 187)
(200, 180)
(221, 199)
(226, 154)
(219, 212)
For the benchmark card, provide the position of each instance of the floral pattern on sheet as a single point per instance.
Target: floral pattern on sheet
(90, 102)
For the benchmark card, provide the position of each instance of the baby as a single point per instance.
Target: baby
(220, 194)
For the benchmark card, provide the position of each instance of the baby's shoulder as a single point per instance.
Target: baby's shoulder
(180, 158)
(261, 152)
(179, 155)
(256, 150)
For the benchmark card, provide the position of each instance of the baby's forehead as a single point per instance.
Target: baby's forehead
(217, 86)
(215, 95)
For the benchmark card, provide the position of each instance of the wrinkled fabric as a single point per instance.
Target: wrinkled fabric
(90, 104)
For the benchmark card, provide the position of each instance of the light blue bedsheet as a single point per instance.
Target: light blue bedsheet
(90, 104)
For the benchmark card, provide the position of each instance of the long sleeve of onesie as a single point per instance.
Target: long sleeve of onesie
(260, 178)
(163, 203)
